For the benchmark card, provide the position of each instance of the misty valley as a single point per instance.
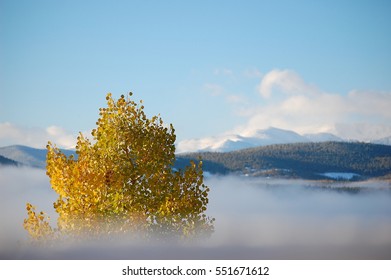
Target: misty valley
(329, 200)
(256, 218)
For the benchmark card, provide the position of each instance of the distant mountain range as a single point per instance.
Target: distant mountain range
(310, 160)
(320, 160)
(262, 137)
(27, 156)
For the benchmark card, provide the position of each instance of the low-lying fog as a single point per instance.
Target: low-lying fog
(255, 219)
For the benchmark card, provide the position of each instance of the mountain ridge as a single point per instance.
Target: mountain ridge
(28, 156)
(320, 160)
(311, 160)
(261, 137)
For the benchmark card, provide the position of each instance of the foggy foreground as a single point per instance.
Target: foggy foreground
(255, 219)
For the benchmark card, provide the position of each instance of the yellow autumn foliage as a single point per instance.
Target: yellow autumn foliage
(123, 182)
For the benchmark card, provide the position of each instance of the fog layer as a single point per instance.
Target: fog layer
(255, 219)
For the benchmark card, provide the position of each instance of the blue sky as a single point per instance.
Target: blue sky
(208, 67)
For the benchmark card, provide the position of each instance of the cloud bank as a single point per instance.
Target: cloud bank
(255, 219)
(11, 134)
(291, 103)
(287, 101)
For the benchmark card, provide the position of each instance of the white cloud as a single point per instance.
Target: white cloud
(207, 143)
(363, 131)
(370, 104)
(289, 102)
(11, 134)
(190, 145)
(286, 81)
(61, 136)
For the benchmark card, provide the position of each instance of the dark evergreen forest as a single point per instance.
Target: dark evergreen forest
(302, 160)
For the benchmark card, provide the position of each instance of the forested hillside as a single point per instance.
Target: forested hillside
(304, 160)
(6, 161)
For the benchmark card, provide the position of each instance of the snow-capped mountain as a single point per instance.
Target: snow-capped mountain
(260, 137)
(27, 156)
(274, 135)
(322, 137)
